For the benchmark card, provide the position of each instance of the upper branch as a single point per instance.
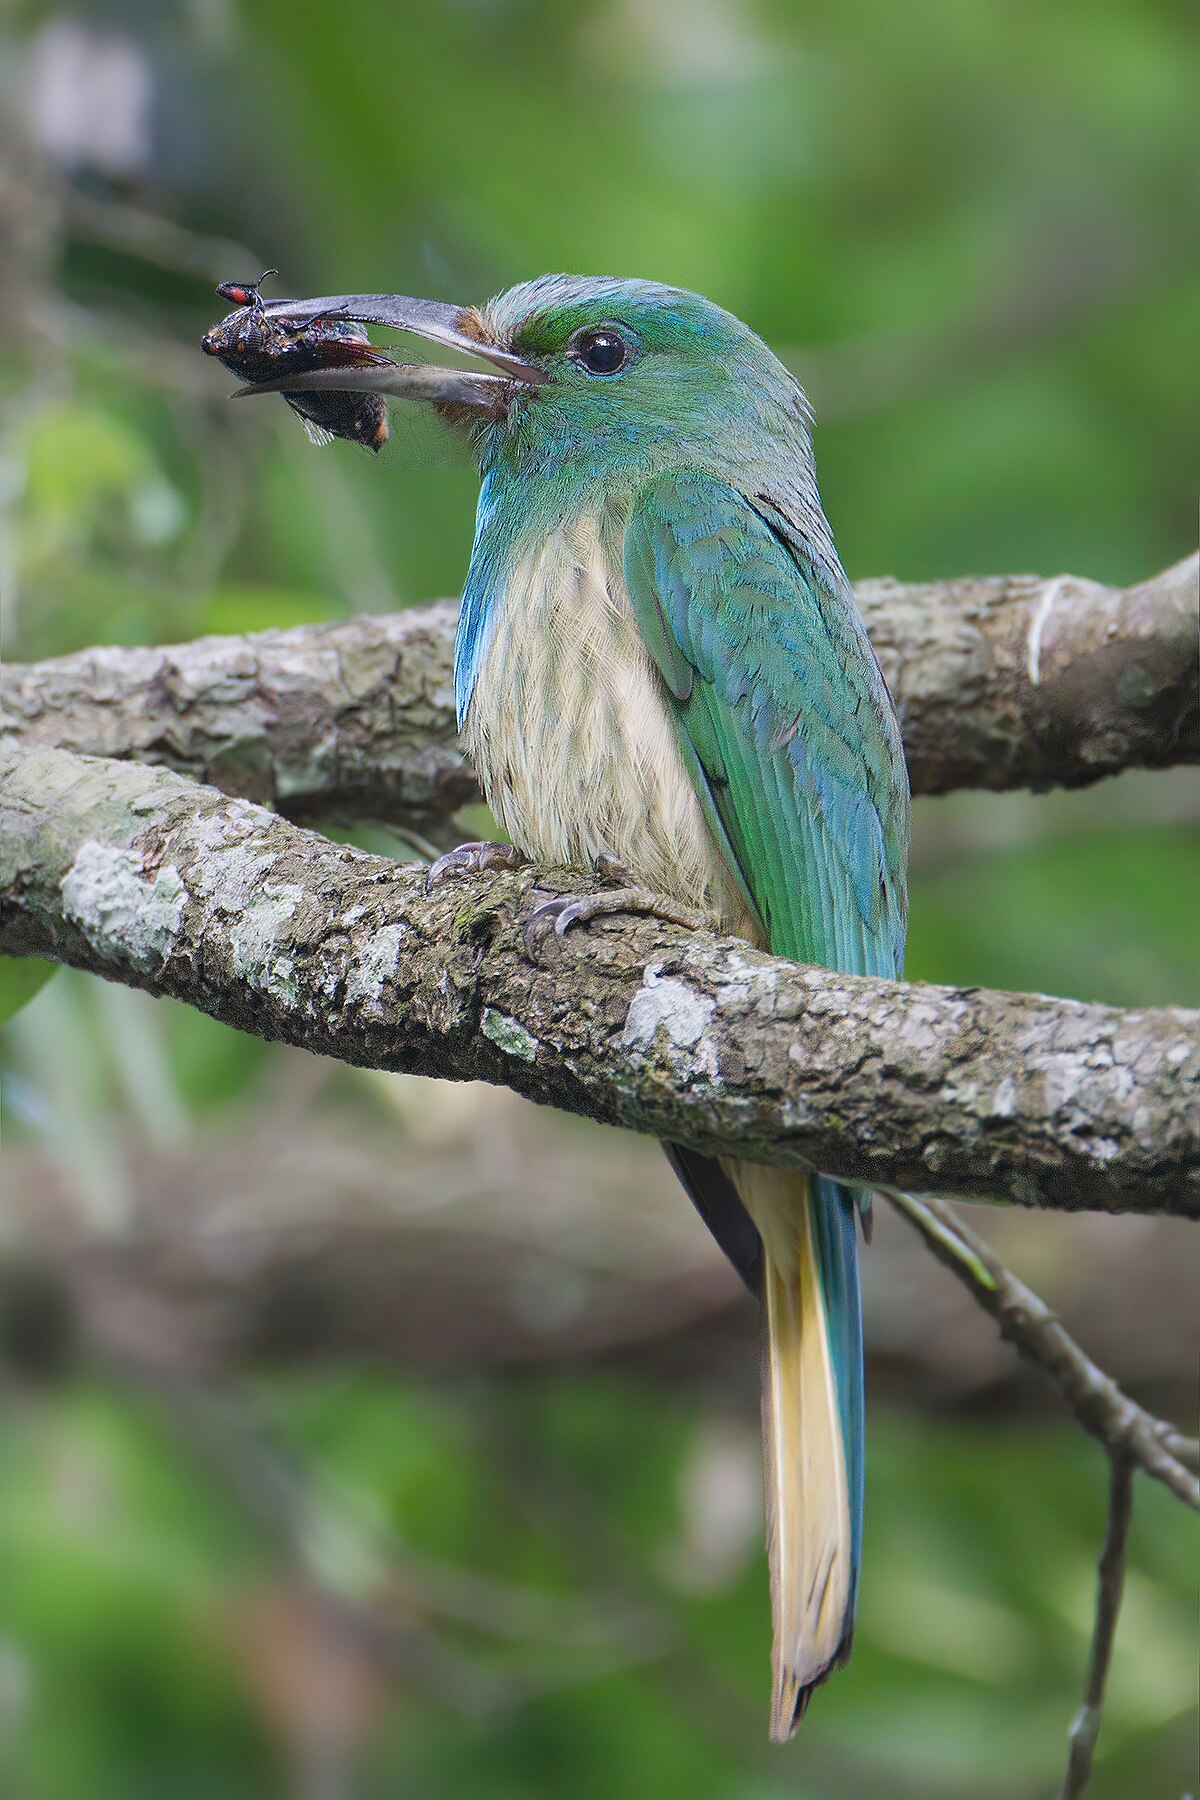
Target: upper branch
(1017, 682)
(351, 720)
(144, 877)
(1006, 682)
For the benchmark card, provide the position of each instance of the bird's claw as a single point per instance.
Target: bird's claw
(472, 859)
(554, 918)
(548, 919)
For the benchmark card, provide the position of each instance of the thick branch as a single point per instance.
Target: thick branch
(143, 877)
(1016, 682)
(1001, 683)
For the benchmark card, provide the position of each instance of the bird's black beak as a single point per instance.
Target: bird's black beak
(457, 327)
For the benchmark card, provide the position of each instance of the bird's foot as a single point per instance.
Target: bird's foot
(473, 859)
(554, 918)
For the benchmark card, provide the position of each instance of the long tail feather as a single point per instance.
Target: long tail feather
(812, 1425)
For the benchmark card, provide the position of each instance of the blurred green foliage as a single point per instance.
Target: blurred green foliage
(20, 979)
(1097, 915)
(129, 1580)
(970, 228)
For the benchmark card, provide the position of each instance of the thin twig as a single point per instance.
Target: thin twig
(1085, 1727)
(1126, 1430)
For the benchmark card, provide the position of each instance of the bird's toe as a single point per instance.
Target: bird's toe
(554, 918)
(543, 923)
(472, 859)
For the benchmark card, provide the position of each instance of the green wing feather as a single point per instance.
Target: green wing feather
(783, 715)
(788, 731)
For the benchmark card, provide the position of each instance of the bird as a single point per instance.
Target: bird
(661, 674)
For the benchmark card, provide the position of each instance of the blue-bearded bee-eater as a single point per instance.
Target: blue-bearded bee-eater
(660, 666)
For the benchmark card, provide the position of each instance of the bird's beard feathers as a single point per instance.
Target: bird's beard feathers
(570, 731)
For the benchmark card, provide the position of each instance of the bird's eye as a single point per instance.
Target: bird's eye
(602, 350)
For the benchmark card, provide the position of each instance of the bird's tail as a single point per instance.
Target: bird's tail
(812, 1420)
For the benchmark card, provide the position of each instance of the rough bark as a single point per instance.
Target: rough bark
(1018, 682)
(352, 720)
(1005, 682)
(144, 877)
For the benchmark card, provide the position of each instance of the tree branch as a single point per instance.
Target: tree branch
(1005, 682)
(350, 720)
(1129, 1433)
(1110, 1583)
(1018, 682)
(1132, 1437)
(148, 879)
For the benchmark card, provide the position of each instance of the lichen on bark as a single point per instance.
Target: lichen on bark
(698, 1039)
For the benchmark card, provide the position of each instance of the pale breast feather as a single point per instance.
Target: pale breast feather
(570, 731)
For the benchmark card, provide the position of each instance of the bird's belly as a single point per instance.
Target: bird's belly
(571, 735)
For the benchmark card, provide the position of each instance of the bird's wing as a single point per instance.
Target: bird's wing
(789, 734)
(783, 717)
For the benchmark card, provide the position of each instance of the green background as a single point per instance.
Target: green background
(971, 229)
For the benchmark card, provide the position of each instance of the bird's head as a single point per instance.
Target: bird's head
(595, 379)
(635, 375)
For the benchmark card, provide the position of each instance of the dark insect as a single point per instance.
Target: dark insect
(260, 346)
